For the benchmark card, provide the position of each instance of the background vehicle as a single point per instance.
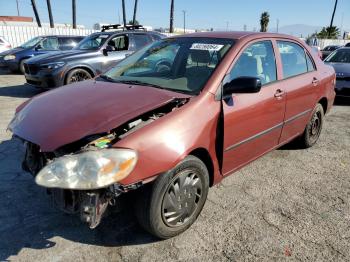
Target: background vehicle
(14, 59)
(340, 60)
(94, 55)
(219, 104)
(329, 49)
(4, 44)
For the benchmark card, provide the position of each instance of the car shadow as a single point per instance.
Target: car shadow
(20, 91)
(342, 101)
(29, 220)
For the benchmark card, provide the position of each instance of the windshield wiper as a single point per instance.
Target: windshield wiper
(108, 78)
(140, 83)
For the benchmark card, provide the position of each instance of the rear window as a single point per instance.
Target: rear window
(293, 59)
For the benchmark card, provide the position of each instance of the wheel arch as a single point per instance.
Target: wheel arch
(205, 157)
(324, 103)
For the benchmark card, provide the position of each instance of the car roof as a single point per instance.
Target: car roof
(60, 36)
(126, 31)
(237, 35)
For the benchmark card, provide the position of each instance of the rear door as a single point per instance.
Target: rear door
(253, 122)
(300, 82)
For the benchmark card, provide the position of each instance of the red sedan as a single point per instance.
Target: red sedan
(172, 120)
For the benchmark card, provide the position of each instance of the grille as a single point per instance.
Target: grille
(34, 160)
(31, 69)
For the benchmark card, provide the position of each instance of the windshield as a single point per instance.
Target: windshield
(93, 42)
(339, 56)
(32, 42)
(181, 65)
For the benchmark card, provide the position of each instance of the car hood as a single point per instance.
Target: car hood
(58, 56)
(343, 68)
(12, 51)
(72, 112)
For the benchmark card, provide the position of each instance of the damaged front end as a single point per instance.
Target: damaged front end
(82, 177)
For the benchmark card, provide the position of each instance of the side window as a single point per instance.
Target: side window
(293, 59)
(119, 42)
(50, 43)
(141, 40)
(257, 60)
(67, 43)
(310, 64)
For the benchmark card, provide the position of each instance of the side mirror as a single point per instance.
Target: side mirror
(243, 84)
(108, 49)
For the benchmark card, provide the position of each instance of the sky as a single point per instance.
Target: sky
(219, 14)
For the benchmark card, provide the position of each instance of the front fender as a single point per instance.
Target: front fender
(162, 144)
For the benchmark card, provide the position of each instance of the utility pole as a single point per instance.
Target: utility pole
(171, 28)
(278, 23)
(50, 13)
(17, 8)
(331, 25)
(124, 16)
(134, 17)
(74, 14)
(36, 13)
(184, 21)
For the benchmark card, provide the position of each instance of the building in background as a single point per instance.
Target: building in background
(28, 21)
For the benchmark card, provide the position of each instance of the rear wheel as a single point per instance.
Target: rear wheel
(313, 128)
(77, 75)
(174, 201)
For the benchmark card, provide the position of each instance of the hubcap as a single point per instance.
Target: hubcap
(181, 198)
(315, 125)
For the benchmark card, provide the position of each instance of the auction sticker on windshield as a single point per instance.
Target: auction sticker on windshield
(208, 47)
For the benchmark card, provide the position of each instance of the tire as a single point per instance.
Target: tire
(21, 65)
(313, 128)
(77, 75)
(153, 205)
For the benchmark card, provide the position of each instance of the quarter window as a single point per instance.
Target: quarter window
(257, 60)
(293, 58)
(310, 64)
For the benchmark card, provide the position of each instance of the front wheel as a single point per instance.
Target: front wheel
(174, 201)
(77, 75)
(313, 128)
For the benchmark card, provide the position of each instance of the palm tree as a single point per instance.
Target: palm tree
(329, 32)
(74, 14)
(134, 17)
(171, 29)
(264, 21)
(331, 25)
(36, 13)
(50, 13)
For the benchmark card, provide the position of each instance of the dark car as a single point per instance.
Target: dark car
(340, 60)
(14, 59)
(347, 45)
(94, 55)
(169, 133)
(328, 50)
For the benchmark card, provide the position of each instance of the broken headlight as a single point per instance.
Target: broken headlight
(88, 170)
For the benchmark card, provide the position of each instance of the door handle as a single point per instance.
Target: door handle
(279, 93)
(315, 81)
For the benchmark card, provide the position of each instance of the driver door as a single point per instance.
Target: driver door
(253, 122)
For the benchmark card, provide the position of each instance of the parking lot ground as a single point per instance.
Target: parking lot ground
(288, 204)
